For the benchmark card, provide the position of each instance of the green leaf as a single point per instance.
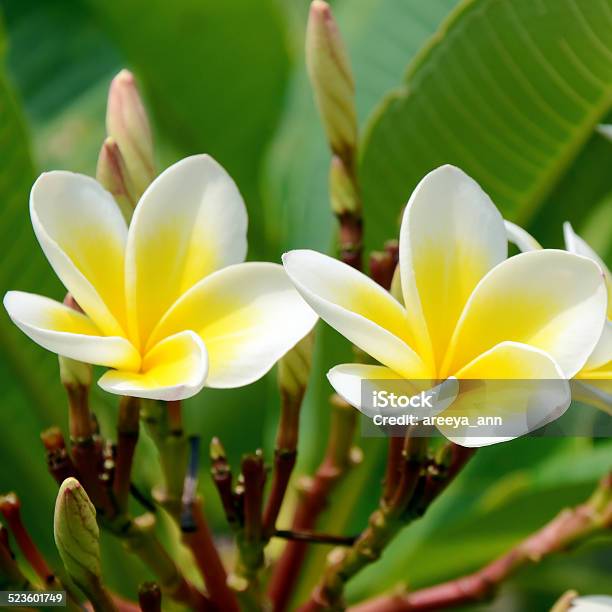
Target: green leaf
(214, 74)
(509, 90)
(381, 37)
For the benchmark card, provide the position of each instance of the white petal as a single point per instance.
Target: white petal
(174, 369)
(520, 384)
(357, 307)
(575, 244)
(522, 239)
(357, 384)
(603, 351)
(597, 393)
(548, 299)
(83, 234)
(451, 236)
(190, 222)
(67, 332)
(249, 315)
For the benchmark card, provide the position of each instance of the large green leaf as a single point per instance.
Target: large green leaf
(214, 74)
(509, 90)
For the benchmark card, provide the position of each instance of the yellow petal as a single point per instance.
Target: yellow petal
(249, 315)
(551, 300)
(451, 236)
(514, 382)
(174, 369)
(190, 222)
(67, 332)
(83, 234)
(357, 307)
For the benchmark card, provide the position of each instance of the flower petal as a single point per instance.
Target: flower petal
(603, 351)
(575, 244)
(357, 383)
(174, 369)
(249, 315)
(83, 234)
(451, 236)
(597, 393)
(521, 238)
(357, 307)
(67, 332)
(190, 222)
(520, 384)
(549, 299)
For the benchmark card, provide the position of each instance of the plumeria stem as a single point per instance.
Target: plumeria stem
(150, 597)
(59, 461)
(568, 529)
(315, 494)
(222, 477)
(127, 430)
(10, 574)
(201, 544)
(140, 538)
(314, 537)
(417, 489)
(11, 511)
(173, 446)
(245, 579)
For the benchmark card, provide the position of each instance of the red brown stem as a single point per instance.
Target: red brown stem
(206, 556)
(567, 529)
(315, 496)
(314, 537)
(150, 597)
(11, 510)
(58, 460)
(254, 475)
(127, 438)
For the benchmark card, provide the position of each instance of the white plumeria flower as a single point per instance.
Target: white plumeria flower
(593, 383)
(168, 303)
(592, 603)
(470, 312)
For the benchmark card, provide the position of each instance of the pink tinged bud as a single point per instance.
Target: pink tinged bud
(113, 175)
(128, 124)
(332, 80)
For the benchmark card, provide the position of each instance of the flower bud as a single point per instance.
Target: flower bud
(77, 535)
(128, 124)
(332, 80)
(342, 191)
(113, 175)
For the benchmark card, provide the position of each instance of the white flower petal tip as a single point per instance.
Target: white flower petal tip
(511, 390)
(64, 331)
(521, 238)
(169, 252)
(592, 603)
(357, 307)
(82, 232)
(369, 389)
(174, 369)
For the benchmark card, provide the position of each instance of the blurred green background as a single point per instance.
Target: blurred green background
(512, 91)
